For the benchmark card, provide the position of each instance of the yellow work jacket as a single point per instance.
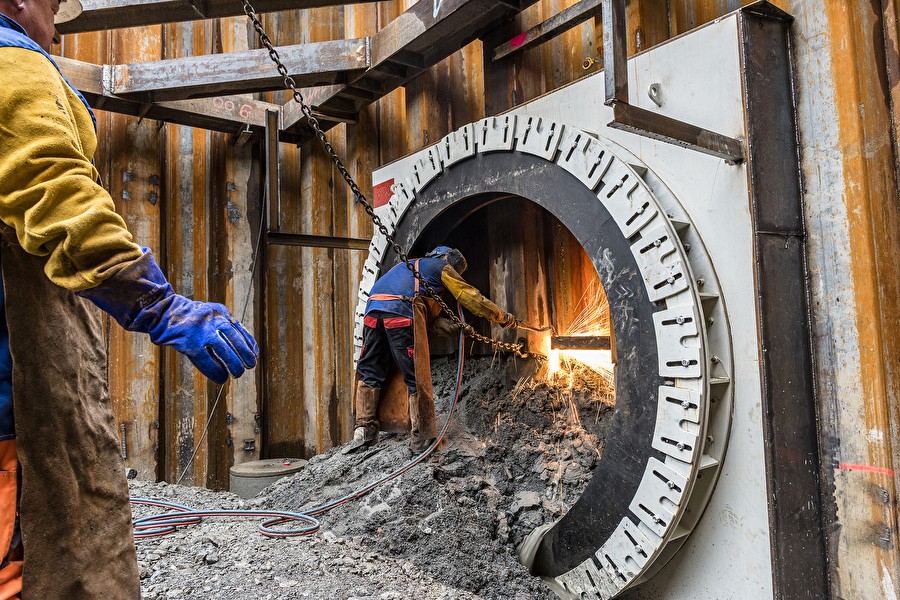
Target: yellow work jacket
(48, 185)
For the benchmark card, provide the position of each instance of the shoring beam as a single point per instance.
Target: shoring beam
(102, 15)
(407, 46)
(313, 64)
(229, 114)
(556, 25)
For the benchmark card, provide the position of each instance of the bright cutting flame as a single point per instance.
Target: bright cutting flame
(552, 358)
(591, 320)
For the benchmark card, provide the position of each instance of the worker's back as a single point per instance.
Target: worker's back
(393, 292)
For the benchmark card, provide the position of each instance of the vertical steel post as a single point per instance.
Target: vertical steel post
(273, 195)
(799, 562)
(615, 67)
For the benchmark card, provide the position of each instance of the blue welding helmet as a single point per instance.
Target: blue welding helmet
(452, 256)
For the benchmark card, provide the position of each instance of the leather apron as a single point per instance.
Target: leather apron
(75, 516)
(423, 422)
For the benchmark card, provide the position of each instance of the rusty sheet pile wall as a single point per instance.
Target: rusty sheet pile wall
(195, 197)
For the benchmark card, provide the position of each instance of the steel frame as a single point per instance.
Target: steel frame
(344, 75)
(645, 122)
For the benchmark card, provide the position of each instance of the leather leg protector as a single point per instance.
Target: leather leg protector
(421, 404)
(367, 410)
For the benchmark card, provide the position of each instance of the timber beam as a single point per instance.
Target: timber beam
(102, 15)
(318, 63)
(413, 42)
(229, 114)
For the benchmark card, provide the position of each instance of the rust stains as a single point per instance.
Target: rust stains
(870, 196)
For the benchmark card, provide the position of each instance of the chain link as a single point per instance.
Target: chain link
(289, 83)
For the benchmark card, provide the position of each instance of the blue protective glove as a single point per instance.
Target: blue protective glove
(140, 299)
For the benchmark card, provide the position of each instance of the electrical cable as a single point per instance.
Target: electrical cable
(180, 515)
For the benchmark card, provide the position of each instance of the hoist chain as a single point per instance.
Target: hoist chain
(518, 349)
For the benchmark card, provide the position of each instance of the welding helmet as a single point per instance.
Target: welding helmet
(452, 256)
(68, 10)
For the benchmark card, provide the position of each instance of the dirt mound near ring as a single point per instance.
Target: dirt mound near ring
(518, 454)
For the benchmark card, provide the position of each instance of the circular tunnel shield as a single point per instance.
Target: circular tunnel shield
(627, 519)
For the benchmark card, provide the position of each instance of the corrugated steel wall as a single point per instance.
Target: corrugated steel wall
(194, 198)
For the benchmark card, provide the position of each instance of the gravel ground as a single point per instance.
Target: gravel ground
(518, 454)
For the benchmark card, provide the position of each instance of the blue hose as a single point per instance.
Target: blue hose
(180, 515)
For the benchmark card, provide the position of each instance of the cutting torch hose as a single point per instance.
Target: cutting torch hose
(180, 515)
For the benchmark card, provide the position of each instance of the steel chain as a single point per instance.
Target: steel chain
(289, 83)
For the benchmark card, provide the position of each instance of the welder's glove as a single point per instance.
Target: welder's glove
(444, 327)
(140, 299)
(508, 321)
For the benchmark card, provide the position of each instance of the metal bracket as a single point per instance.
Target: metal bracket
(645, 122)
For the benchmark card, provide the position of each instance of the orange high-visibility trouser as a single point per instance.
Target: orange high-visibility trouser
(11, 564)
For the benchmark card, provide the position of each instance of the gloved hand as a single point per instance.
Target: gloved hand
(508, 321)
(140, 299)
(444, 327)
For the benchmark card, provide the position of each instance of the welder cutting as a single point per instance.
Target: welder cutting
(65, 523)
(398, 315)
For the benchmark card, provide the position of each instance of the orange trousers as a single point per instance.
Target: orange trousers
(11, 565)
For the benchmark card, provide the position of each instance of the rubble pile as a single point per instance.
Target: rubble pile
(518, 454)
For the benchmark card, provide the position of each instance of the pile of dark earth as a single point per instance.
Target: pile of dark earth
(518, 454)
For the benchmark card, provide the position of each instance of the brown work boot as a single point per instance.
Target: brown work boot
(366, 425)
(422, 423)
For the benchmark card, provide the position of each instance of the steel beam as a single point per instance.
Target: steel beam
(615, 49)
(277, 238)
(229, 114)
(798, 523)
(580, 342)
(411, 43)
(318, 63)
(666, 129)
(552, 27)
(101, 15)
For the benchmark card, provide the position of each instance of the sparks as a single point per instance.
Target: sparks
(591, 319)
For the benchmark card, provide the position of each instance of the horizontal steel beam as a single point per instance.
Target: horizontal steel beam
(278, 238)
(229, 114)
(317, 63)
(102, 15)
(552, 27)
(666, 129)
(580, 342)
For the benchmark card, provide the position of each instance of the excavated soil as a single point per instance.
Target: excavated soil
(518, 454)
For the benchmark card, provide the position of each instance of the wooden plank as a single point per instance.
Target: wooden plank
(101, 15)
(552, 27)
(319, 63)
(530, 68)
(466, 75)
(189, 394)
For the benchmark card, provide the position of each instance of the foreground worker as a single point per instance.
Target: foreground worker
(63, 250)
(396, 318)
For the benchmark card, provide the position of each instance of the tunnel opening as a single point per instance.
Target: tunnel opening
(487, 179)
(527, 261)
